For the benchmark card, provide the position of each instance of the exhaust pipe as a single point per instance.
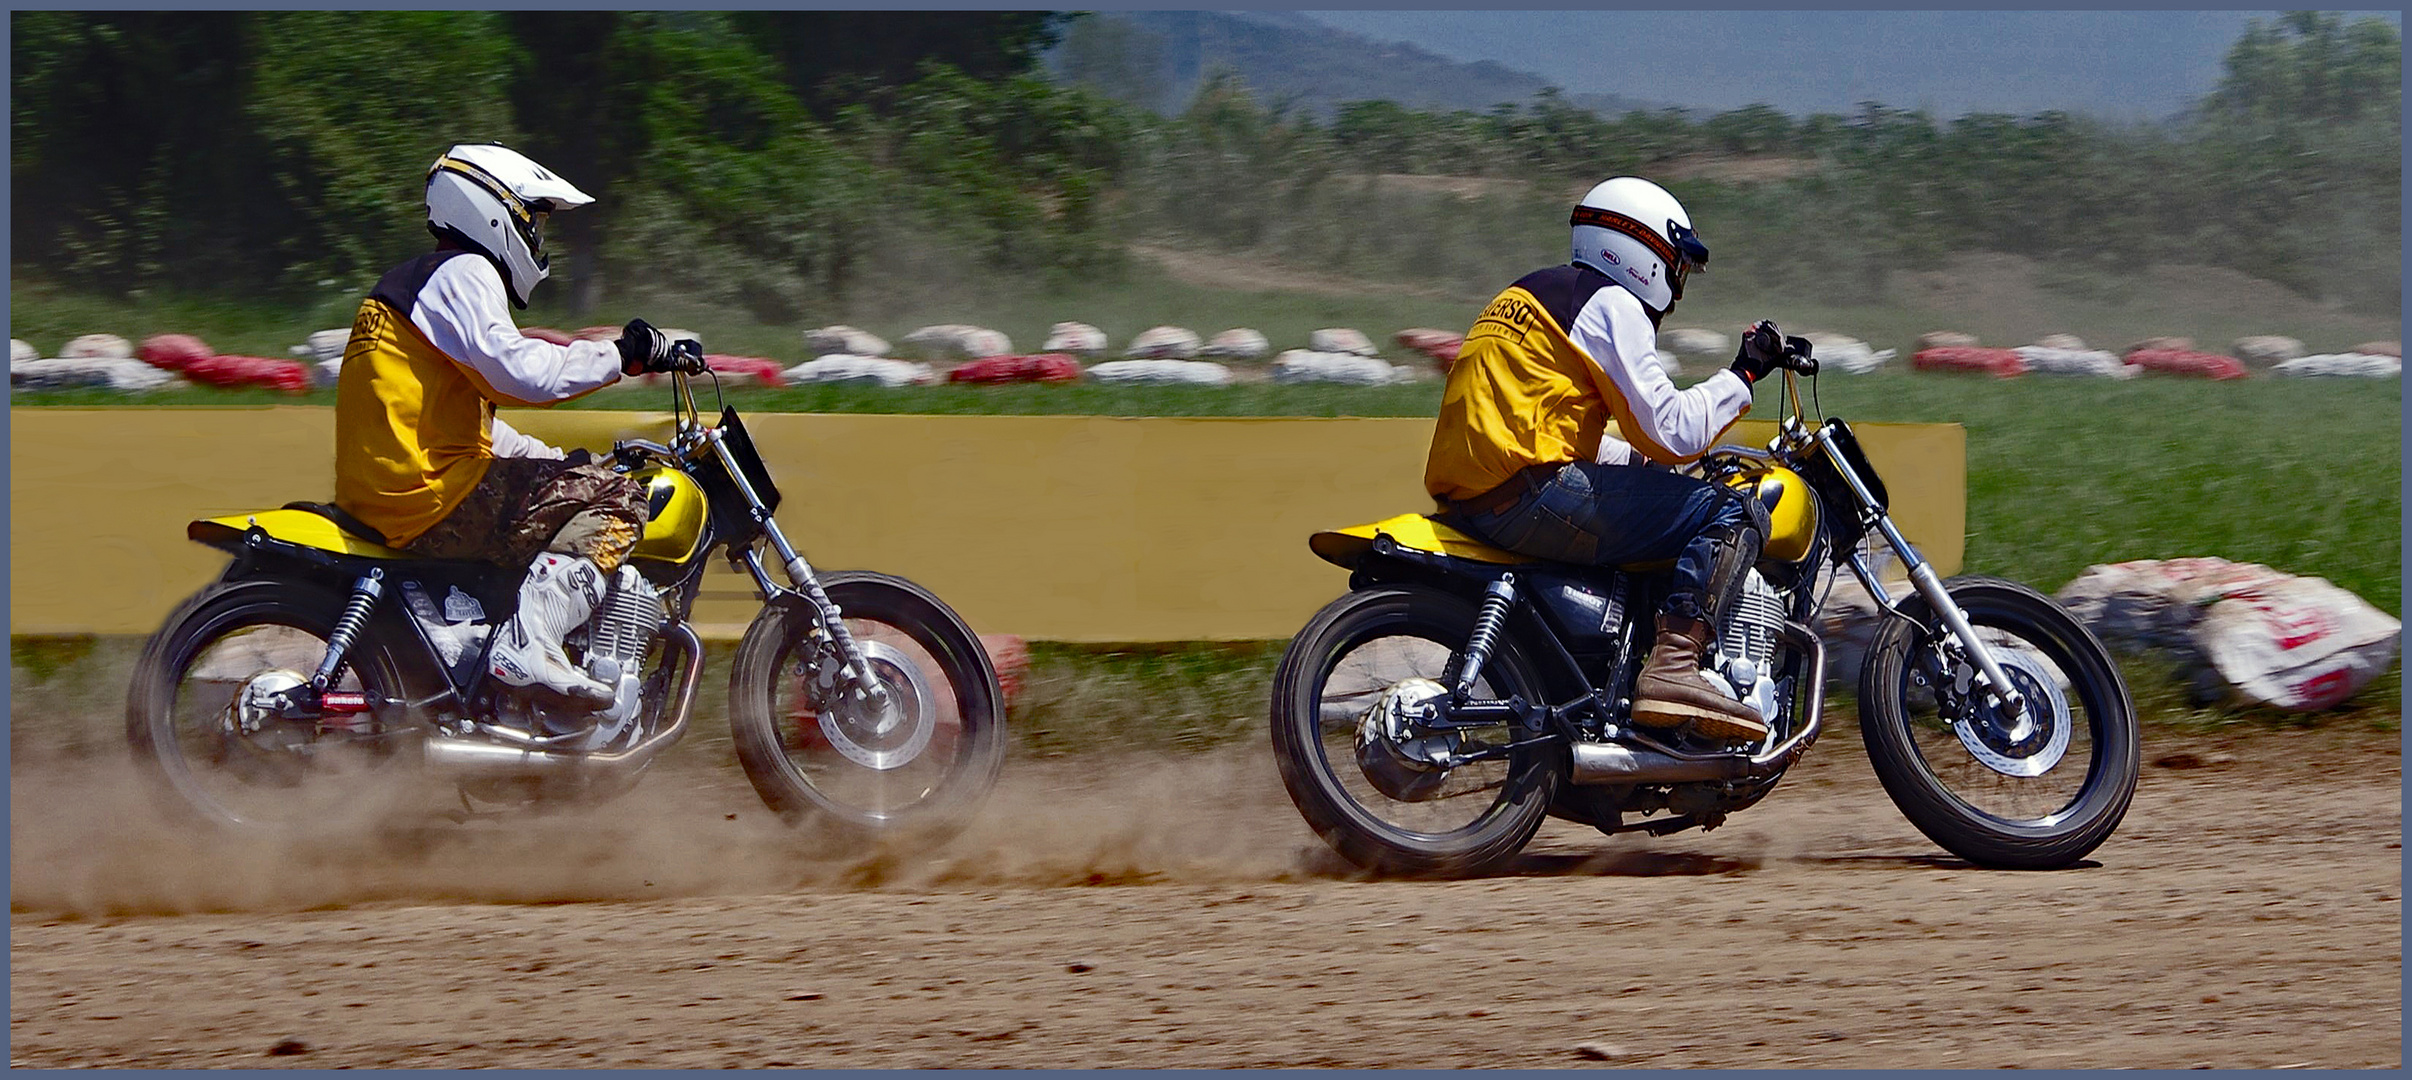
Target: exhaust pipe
(481, 759)
(1616, 763)
(1651, 763)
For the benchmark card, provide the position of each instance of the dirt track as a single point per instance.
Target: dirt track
(1178, 914)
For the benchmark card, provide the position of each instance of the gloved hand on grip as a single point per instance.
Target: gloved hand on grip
(645, 350)
(1762, 351)
(1800, 355)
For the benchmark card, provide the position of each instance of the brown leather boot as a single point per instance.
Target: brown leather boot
(1672, 691)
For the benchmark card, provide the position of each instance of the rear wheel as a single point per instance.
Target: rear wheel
(196, 723)
(920, 761)
(1367, 648)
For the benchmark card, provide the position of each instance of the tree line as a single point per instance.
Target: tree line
(795, 163)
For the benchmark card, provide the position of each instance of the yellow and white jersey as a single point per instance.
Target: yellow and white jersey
(1552, 359)
(433, 349)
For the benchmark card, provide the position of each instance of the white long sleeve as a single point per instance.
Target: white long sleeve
(463, 312)
(1659, 422)
(509, 442)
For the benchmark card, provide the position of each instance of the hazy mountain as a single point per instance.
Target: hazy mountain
(1159, 58)
(2115, 65)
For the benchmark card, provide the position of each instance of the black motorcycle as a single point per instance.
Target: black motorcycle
(1428, 720)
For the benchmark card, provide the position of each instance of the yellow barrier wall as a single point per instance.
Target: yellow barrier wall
(1054, 528)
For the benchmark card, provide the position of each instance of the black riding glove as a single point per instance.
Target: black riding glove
(1762, 351)
(645, 350)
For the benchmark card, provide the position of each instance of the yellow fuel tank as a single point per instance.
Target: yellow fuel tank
(1791, 509)
(674, 514)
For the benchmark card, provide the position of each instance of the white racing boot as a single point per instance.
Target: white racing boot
(560, 592)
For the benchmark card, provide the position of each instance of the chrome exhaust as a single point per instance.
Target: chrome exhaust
(1648, 762)
(469, 757)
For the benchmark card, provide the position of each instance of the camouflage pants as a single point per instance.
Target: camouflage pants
(530, 505)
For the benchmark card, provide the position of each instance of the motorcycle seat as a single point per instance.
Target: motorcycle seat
(1423, 532)
(307, 527)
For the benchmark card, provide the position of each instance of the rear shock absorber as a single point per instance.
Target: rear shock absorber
(1496, 599)
(347, 626)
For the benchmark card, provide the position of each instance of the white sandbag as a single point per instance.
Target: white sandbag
(1162, 372)
(956, 341)
(322, 356)
(2265, 350)
(1340, 339)
(109, 346)
(65, 372)
(867, 370)
(328, 345)
(1847, 354)
(1163, 343)
(2341, 365)
(19, 352)
(2296, 643)
(1237, 343)
(1348, 369)
(1077, 338)
(2066, 342)
(1693, 341)
(2044, 360)
(845, 340)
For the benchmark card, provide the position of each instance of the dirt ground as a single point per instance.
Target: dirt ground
(1177, 913)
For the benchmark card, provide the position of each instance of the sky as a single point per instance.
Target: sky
(2115, 65)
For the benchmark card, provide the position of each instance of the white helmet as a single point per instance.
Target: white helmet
(1633, 231)
(491, 199)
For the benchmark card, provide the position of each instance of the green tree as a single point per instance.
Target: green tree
(352, 107)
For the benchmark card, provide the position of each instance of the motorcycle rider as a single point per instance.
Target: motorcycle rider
(1520, 456)
(420, 458)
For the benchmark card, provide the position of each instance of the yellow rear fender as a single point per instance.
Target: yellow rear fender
(1346, 547)
(299, 527)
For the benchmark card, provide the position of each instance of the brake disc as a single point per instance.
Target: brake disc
(1982, 733)
(890, 730)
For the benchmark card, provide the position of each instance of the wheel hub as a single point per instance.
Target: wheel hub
(1392, 751)
(888, 728)
(260, 702)
(2029, 744)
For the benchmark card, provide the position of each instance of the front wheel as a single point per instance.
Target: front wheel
(1382, 810)
(2035, 792)
(919, 759)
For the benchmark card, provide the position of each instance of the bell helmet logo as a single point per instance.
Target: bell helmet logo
(1610, 256)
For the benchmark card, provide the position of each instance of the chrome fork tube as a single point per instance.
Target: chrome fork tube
(1929, 585)
(833, 621)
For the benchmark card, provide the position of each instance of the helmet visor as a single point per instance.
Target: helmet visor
(1690, 254)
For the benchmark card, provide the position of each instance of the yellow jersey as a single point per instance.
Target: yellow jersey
(1549, 364)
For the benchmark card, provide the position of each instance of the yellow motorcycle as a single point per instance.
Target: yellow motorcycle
(322, 662)
(1429, 720)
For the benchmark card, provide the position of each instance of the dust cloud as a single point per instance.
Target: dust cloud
(87, 840)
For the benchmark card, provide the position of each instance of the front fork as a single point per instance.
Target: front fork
(1930, 586)
(854, 673)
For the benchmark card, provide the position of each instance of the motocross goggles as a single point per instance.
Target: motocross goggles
(1680, 249)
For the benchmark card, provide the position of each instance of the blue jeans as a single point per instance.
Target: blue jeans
(1608, 515)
